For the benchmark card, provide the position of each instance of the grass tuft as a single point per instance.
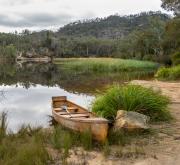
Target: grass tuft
(86, 139)
(132, 98)
(64, 139)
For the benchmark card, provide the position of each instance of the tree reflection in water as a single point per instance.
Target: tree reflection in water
(50, 75)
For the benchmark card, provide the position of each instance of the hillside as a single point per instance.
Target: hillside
(112, 27)
(144, 36)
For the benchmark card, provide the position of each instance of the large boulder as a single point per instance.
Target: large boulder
(131, 120)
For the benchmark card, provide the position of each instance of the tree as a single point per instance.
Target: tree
(172, 36)
(172, 5)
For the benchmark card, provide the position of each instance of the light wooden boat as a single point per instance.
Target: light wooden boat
(77, 118)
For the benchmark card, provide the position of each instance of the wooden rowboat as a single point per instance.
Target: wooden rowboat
(77, 118)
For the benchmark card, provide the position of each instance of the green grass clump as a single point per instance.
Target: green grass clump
(25, 147)
(132, 98)
(106, 64)
(32, 153)
(86, 139)
(65, 139)
(61, 139)
(172, 73)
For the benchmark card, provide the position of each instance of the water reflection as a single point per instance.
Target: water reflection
(29, 88)
(33, 105)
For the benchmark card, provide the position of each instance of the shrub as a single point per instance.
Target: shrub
(176, 58)
(132, 98)
(172, 73)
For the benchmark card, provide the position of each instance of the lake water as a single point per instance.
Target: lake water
(27, 89)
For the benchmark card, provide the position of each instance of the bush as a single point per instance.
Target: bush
(176, 58)
(172, 73)
(132, 98)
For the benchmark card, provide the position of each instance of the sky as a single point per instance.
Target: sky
(52, 14)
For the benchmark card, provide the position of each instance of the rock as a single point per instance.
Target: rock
(131, 120)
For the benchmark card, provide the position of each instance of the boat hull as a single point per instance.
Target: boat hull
(97, 126)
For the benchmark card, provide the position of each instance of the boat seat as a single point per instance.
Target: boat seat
(62, 113)
(74, 109)
(76, 115)
(95, 119)
(73, 113)
(58, 109)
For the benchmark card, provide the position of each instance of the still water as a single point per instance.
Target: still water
(27, 90)
(33, 105)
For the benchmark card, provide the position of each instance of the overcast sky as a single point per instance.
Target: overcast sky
(51, 14)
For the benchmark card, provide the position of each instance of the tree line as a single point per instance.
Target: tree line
(146, 36)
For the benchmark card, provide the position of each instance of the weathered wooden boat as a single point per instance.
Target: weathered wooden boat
(77, 118)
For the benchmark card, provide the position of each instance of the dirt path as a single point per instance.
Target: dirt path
(168, 150)
(170, 89)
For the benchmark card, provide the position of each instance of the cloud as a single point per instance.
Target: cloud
(51, 14)
(21, 2)
(15, 2)
(35, 19)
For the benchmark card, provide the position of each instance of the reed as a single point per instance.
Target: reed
(132, 98)
(106, 64)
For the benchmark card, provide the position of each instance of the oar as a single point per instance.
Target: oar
(66, 109)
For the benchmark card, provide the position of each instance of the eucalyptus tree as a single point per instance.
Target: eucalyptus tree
(172, 5)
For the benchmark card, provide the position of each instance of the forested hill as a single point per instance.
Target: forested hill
(146, 36)
(112, 27)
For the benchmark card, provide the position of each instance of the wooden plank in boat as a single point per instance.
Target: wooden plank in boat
(94, 119)
(69, 108)
(76, 115)
(58, 109)
(66, 113)
(72, 108)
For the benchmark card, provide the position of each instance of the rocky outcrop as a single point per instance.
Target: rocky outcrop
(131, 120)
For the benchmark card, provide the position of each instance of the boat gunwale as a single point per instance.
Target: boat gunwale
(104, 121)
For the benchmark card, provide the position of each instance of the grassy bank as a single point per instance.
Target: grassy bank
(172, 73)
(132, 98)
(105, 64)
(37, 146)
